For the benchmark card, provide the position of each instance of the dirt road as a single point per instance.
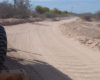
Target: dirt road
(46, 54)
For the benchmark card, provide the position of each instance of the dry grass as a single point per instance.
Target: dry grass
(14, 21)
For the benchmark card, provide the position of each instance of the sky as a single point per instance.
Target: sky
(77, 6)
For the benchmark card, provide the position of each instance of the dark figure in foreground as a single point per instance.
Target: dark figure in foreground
(3, 46)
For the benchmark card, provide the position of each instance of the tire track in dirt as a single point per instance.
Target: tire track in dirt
(60, 58)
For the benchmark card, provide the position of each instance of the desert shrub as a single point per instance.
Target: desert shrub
(64, 12)
(6, 10)
(87, 16)
(55, 10)
(50, 15)
(38, 9)
(41, 10)
(20, 9)
(53, 15)
(97, 15)
(47, 11)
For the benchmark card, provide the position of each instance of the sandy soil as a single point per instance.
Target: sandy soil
(86, 32)
(43, 51)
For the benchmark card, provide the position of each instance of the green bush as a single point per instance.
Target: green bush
(55, 10)
(48, 12)
(46, 9)
(41, 10)
(64, 12)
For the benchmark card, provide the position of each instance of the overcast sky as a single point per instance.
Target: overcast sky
(78, 6)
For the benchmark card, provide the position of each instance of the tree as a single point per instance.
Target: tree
(15, 3)
(6, 10)
(64, 12)
(46, 9)
(55, 10)
(27, 3)
(22, 8)
(41, 10)
(97, 15)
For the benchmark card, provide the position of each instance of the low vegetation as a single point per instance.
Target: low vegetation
(50, 13)
(87, 16)
(20, 9)
(90, 16)
(97, 15)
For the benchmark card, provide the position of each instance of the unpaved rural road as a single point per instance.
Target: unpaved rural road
(45, 53)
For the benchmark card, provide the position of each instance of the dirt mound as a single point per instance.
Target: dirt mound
(86, 32)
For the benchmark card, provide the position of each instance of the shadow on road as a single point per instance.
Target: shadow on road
(16, 50)
(36, 70)
(36, 23)
(11, 50)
